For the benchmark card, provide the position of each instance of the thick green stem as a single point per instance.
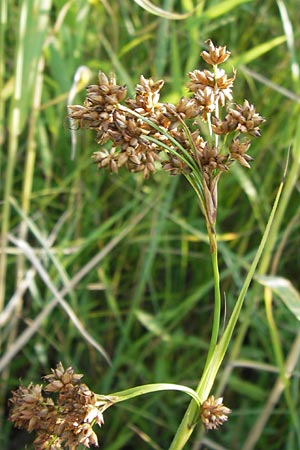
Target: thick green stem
(190, 418)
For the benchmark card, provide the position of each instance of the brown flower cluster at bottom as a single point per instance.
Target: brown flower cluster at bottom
(62, 413)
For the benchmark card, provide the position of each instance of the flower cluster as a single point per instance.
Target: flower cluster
(144, 131)
(214, 413)
(129, 134)
(62, 413)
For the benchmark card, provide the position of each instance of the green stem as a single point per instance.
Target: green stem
(217, 294)
(214, 362)
(190, 419)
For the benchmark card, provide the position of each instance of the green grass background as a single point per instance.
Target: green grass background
(131, 256)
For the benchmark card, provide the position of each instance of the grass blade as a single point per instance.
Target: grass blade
(285, 290)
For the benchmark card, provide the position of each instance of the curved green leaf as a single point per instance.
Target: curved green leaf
(148, 388)
(153, 9)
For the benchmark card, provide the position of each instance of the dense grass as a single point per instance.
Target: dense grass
(129, 256)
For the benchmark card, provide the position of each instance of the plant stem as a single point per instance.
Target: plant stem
(190, 419)
(217, 294)
(185, 428)
(214, 362)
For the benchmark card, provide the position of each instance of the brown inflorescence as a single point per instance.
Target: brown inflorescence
(62, 413)
(214, 413)
(142, 132)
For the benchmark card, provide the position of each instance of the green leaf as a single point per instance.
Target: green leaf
(285, 291)
(222, 8)
(257, 51)
(247, 389)
(211, 13)
(153, 9)
(149, 388)
(33, 28)
(218, 355)
(152, 324)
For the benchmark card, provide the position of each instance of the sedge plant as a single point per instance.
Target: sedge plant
(200, 138)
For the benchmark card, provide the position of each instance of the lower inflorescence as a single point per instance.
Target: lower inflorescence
(61, 413)
(214, 413)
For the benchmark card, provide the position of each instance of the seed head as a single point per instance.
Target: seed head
(216, 85)
(238, 151)
(215, 55)
(64, 421)
(245, 117)
(145, 132)
(214, 413)
(61, 379)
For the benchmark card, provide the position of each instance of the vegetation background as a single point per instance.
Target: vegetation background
(130, 257)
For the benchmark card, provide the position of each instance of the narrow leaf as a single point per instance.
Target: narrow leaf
(152, 325)
(285, 291)
(153, 9)
(257, 51)
(149, 388)
(219, 9)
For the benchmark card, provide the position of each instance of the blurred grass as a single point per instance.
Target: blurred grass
(147, 300)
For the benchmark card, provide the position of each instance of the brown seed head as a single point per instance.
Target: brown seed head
(101, 101)
(25, 402)
(135, 143)
(86, 436)
(215, 86)
(210, 159)
(107, 158)
(46, 441)
(174, 165)
(238, 151)
(64, 421)
(61, 379)
(246, 118)
(206, 99)
(215, 55)
(200, 79)
(147, 96)
(223, 126)
(214, 413)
